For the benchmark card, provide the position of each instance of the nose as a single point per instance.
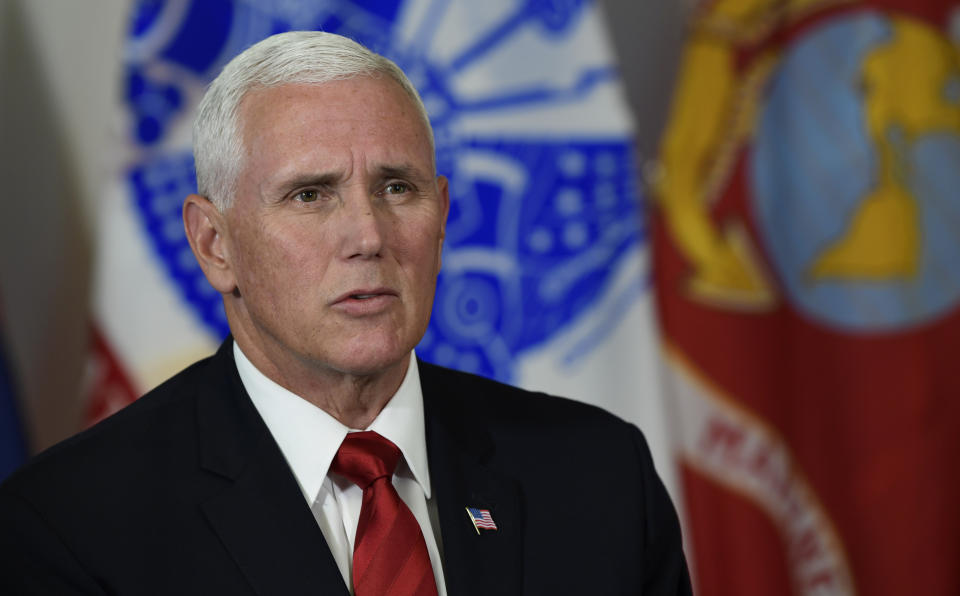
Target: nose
(361, 226)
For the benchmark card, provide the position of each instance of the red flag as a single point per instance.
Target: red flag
(806, 241)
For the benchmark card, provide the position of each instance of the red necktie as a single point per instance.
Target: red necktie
(389, 554)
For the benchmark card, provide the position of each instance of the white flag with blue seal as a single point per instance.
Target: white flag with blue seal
(544, 282)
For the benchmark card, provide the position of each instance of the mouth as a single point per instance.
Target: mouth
(366, 295)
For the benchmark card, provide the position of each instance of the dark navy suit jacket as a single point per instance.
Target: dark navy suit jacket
(186, 492)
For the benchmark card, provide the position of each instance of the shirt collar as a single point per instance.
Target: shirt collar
(309, 437)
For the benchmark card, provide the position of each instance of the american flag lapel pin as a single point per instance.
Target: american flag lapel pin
(481, 518)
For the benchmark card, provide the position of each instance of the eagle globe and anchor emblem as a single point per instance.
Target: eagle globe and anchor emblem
(852, 166)
(539, 222)
(859, 205)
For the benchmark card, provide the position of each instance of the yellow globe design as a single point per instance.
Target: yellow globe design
(904, 84)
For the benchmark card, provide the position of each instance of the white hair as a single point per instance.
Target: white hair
(295, 57)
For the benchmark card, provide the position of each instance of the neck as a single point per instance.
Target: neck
(354, 399)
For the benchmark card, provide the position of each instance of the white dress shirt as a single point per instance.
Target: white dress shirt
(309, 439)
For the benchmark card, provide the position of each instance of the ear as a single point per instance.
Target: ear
(443, 187)
(206, 227)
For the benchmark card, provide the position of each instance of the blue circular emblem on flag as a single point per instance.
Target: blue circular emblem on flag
(538, 221)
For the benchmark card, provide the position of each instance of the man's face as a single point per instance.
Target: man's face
(335, 231)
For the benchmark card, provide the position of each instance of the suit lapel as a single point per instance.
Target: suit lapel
(261, 516)
(460, 450)
(264, 523)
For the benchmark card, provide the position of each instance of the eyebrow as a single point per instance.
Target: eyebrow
(326, 179)
(400, 171)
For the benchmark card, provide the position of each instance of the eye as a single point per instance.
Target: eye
(307, 196)
(396, 188)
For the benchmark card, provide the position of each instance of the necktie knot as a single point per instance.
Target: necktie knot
(364, 457)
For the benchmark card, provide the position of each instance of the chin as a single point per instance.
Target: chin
(370, 360)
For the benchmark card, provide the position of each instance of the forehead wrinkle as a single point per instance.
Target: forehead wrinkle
(322, 166)
(296, 174)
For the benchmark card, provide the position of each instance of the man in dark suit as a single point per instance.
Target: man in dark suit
(313, 453)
